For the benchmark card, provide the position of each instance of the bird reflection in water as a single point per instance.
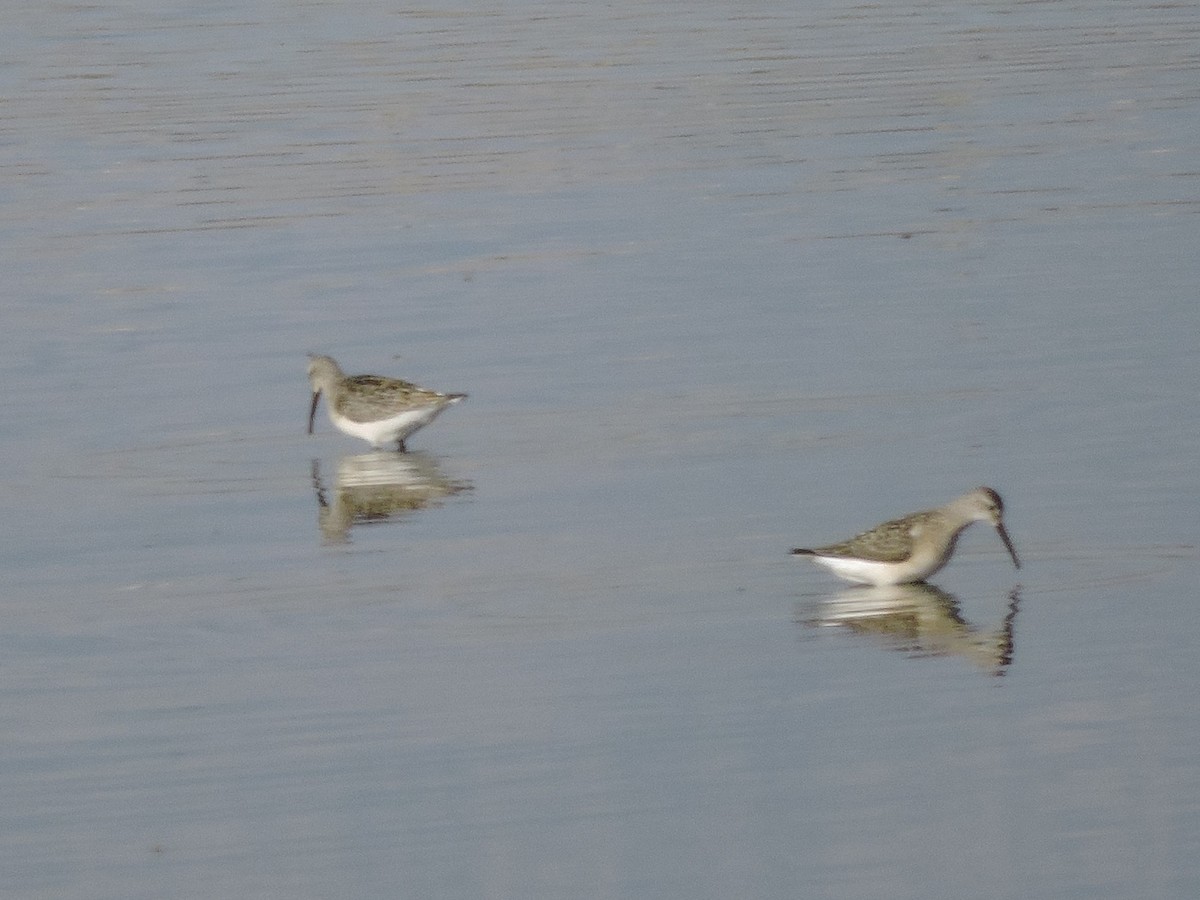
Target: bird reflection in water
(379, 487)
(922, 620)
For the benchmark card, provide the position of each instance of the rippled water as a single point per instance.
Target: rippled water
(719, 281)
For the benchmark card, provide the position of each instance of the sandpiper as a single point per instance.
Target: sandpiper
(379, 410)
(913, 547)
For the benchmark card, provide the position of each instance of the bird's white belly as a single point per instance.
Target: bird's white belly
(389, 430)
(865, 571)
(918, 567)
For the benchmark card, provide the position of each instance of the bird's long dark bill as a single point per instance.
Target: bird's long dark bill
(312, 411)
(1000, 530)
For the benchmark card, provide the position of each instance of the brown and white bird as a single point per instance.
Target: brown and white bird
(379, 410)
(913, 547)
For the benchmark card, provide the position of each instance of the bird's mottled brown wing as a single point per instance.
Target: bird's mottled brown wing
(890, 542)
(366, 398)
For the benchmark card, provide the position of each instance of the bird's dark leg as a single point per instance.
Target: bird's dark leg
(400, 448)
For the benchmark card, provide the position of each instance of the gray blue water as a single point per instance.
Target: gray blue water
(720, 280)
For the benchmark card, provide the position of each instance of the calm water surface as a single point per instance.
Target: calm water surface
(719, 281)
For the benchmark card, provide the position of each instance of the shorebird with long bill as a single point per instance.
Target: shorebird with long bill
(379, 410)
(912, 547)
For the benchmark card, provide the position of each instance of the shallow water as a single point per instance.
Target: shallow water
(718, 282)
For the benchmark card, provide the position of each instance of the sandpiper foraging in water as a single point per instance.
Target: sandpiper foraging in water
(379, 410)
(912, 547)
